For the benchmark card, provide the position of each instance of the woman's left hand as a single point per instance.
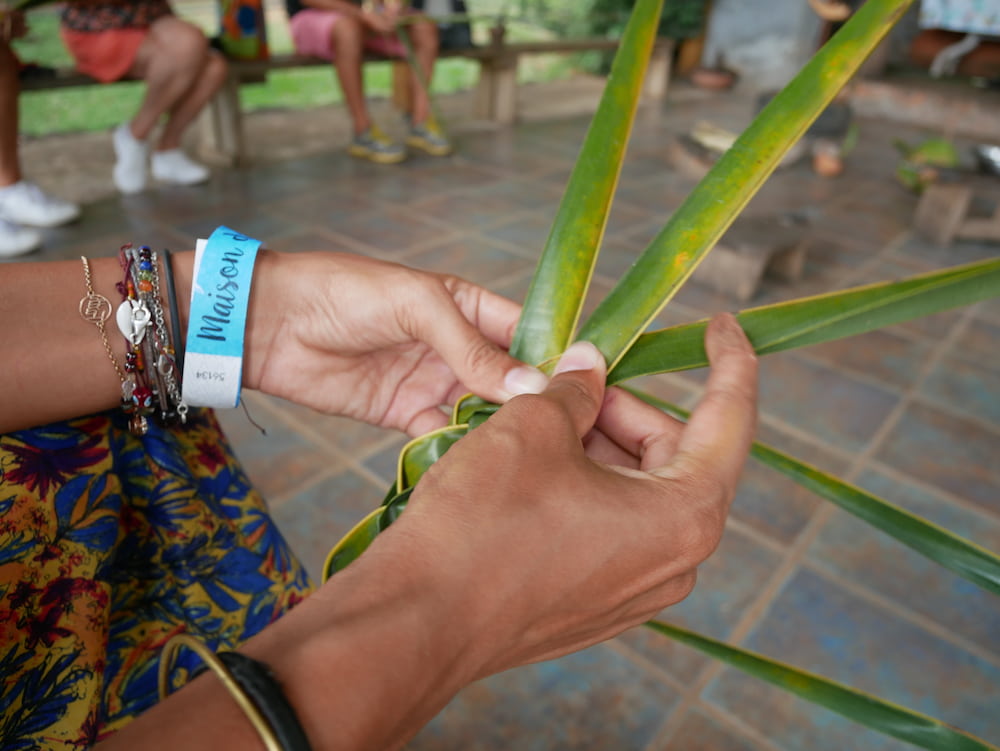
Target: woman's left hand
(376, 341)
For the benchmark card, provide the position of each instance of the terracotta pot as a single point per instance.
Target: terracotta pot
(715, 79)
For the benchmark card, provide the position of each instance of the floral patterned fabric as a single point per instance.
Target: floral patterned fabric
(109, 545)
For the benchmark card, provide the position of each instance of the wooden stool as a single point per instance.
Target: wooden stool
(943, 212)
(753, 247)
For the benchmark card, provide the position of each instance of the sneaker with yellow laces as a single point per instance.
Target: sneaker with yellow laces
(376, 146)
(428, 137)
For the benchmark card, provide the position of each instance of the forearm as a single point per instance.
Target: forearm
(365, 662)
(56, 364)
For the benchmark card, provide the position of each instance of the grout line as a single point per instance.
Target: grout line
(796, 553)
(947, 496)
(886, 603)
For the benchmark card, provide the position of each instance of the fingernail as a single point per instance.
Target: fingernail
(525, 380)
(579, 356)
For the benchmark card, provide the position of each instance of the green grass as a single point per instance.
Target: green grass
(95, 108)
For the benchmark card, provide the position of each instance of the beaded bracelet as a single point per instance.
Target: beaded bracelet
(251, 684)
(149, 361)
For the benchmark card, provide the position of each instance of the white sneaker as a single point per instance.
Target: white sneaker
(26, 203)
(130, 170)
(176, 168)
(16, 240)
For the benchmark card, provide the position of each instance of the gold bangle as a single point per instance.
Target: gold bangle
(216, 665)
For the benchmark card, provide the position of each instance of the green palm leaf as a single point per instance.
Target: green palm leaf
(712, 206)
(552, 307)
(858, 706)
(967, 559)
(812, 320)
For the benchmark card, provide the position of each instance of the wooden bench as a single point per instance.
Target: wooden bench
(221, 127)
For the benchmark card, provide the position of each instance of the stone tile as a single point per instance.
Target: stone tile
(385, 461)
(958, 253)
(471, 258)
(829, 404)
(416, 178)
(617, 254)
(526, 231)
(322, 210)
(818, 626)
(728, 583)
(511, 151)
(467, 211)
(660, 196)
(352, 436)
(278, 462)
(315, 519)
(979, 343)
(247, 219)
(966, 387)
(950, 452)
(390, 230)
(700, 732)
(859, 552)
(593, 699)
(892, 359)
(770, 502)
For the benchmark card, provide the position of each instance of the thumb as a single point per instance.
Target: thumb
(577, 385)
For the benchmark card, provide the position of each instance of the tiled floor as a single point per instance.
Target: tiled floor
(912, 413)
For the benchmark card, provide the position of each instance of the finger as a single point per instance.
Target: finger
(482, 366)
(577, 385)
(602, 449)
(426, 421)
(495, 315)
(718, 435)
(639, 428)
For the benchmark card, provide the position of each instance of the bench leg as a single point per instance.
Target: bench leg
(221, 127)
(658, 73)
(496, 95)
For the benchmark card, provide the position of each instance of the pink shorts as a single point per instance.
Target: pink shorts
(104, 55)
(312, 34)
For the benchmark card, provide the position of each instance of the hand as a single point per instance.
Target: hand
(549, 536)
(379, 21)
(376, 341)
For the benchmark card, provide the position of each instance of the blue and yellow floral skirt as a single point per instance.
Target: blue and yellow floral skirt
(109, 545)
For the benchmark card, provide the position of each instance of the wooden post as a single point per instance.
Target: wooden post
(658, 73)
(221, 126)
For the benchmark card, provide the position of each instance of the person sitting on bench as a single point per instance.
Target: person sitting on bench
(21, 202)
(143, 39)
(342, 31)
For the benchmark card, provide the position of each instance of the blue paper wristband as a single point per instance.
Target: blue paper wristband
(220, 296)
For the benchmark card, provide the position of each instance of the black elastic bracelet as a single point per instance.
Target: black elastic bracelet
(259, 683)
(175, 320)
(252, 686)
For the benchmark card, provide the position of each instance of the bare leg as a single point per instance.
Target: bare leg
(181, 75)
(348, 46)
(10, 166)
(424, 36)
